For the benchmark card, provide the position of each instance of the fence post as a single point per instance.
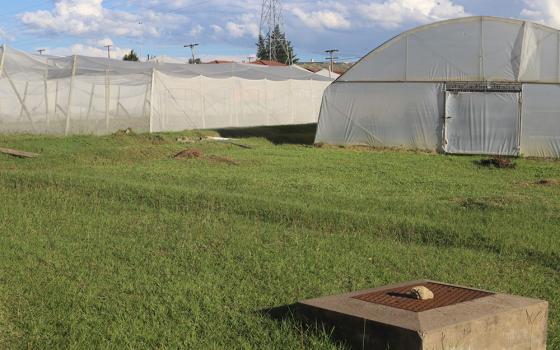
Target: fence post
(69, 108)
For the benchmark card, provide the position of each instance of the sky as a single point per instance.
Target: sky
(227, 29)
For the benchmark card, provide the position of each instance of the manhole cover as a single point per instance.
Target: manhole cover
(444, 295)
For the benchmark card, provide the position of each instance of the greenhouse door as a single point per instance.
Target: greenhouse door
(482, 123)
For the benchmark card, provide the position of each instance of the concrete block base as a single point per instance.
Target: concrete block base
(487, 321)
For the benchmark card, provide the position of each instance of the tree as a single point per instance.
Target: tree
(282, 49)
(131, 56)
(196, 61)
(262, 48)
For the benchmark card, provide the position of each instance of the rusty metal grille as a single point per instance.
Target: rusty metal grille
(444, 295)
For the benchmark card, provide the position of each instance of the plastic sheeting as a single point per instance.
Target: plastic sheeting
(482, 123)
(540, 134)
(425, 116)
(78, 94)
(396, 95)
(466, 49)
(383, 114)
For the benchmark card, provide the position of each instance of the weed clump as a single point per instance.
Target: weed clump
(497, 162)
(156, 139)
(124, 132)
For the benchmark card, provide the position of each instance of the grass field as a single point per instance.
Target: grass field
(109, 242)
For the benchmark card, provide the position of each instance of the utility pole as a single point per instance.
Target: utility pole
(40, 51)
(192, 46)
(331, 58)
(108, 51)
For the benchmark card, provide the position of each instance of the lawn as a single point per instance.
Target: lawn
(110, 242)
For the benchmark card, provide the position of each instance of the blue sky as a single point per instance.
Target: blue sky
(227, 29)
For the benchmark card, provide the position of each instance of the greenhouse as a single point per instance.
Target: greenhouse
(86, 95)
(476, 85)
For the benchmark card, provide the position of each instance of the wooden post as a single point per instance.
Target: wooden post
(90, 101)
(152, 100)
(69, 108)
(24, 98)
(107, 99)
(46, 87)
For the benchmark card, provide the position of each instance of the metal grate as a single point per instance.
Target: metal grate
(478, 86)
(444, 295)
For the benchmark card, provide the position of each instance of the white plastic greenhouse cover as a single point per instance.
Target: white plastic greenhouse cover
(86, 95)
(396, 95)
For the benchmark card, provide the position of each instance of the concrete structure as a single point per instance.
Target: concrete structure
(458, 318)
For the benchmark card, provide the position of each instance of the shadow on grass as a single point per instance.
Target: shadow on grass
(306, 326)
(283, 134)
(280, 313)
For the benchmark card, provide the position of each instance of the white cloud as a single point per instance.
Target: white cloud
(245, 25)
(543, 11)
(216, 28)
(80, 17)
(196, 30)
(4, 35)
(322, 19)
(105, 42)
(88, 50)
(392, 14)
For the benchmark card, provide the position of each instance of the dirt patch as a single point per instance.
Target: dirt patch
(548, 182)
(497, 162)
(189, 154)
(195, 153)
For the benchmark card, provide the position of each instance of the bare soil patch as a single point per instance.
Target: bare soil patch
(497, 162)
(548, 182)
(189, 154)
(195, 153)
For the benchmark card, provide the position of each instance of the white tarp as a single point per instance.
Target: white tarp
(395, 95)
(465, 49)
(78, 94)
(382, 114)
(540, 136)
(482, 123)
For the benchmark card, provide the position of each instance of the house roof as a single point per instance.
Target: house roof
(268, 63)
(218, 62)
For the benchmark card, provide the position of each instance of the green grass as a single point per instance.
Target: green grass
(108, 242)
